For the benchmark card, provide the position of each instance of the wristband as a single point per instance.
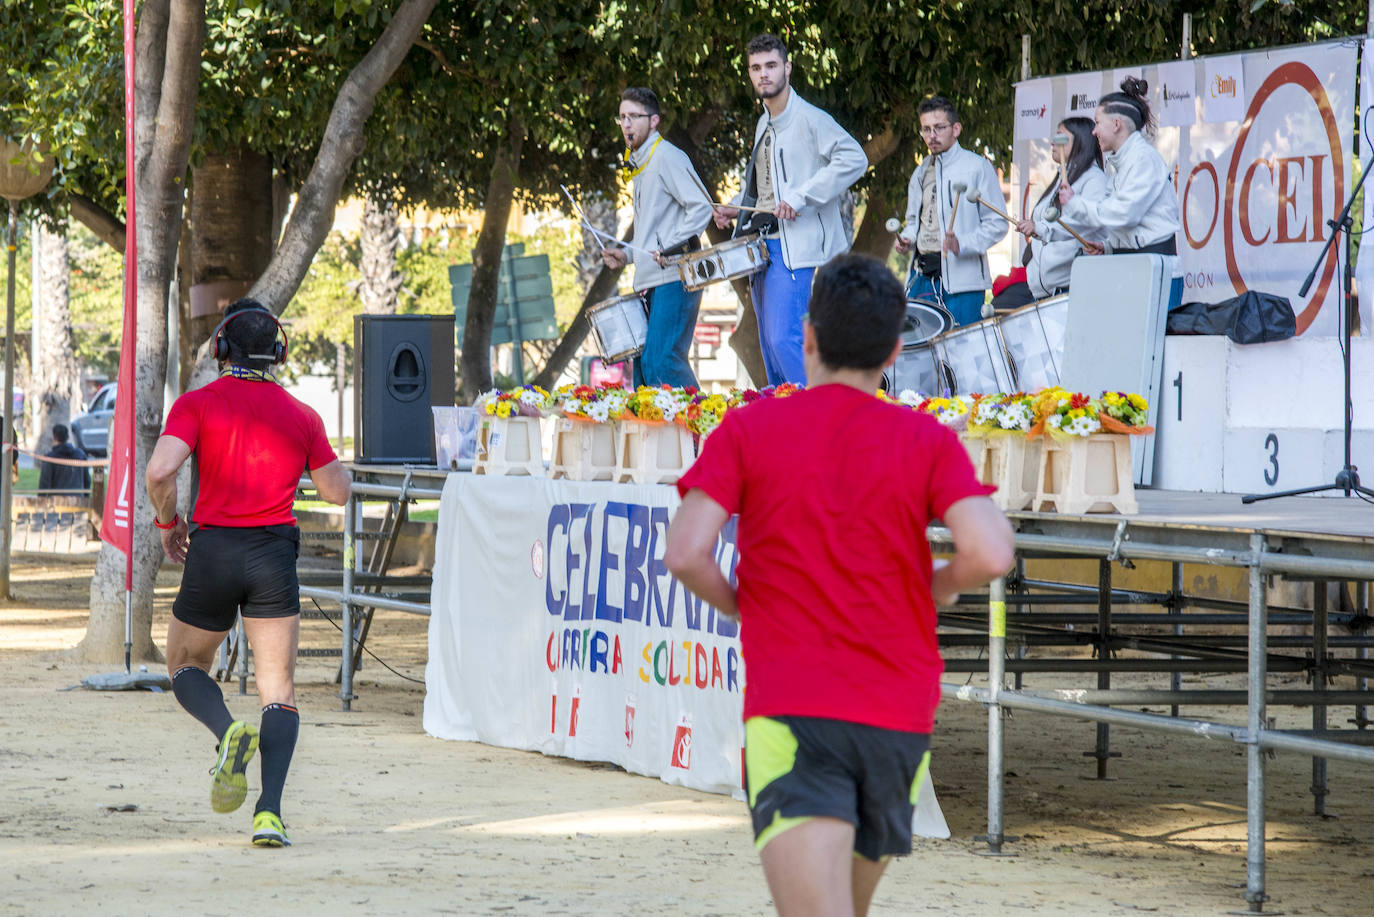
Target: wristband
(169, 525)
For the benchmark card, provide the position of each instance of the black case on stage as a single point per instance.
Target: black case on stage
(402, 366)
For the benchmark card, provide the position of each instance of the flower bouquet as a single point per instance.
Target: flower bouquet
(522, 401)
(656, 405)
(1124, 412)
(1002, 414)
(1063, 414)
(705, 413)
(952, 412)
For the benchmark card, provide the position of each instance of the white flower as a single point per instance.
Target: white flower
(531, 397)
(1055, 421)
(598, 411)
(910, 398)
(1014, 417)
(986, 413)
(1083, 426)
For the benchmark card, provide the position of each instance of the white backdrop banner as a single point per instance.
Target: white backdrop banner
(555, 627)
(1255, 191)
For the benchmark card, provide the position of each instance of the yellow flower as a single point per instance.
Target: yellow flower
(1137, 402)
(503, 409)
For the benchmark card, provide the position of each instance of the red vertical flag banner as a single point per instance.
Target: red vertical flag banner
(117, 524)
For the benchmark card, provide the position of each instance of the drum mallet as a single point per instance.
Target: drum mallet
(1052, 216)
(893, 225)
(959, 188)
(1062, 139)
(976, 197)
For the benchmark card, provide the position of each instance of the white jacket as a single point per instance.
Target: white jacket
(1052, 258)
(671, 207)
(1140, 208)
(977, 228)
(814, 163)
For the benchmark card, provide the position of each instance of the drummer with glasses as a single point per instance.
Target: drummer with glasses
(951, 244)
(671, 208)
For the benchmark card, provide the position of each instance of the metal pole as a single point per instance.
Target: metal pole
(1361, 719)
(1176, 568)
(339, 359)
(997, 645)
(1319, 650)
(1254, 782)
(346, 605)
(1103, 750)
(7, 459)
(1185, 51)
(1020, 573)
(128, 631)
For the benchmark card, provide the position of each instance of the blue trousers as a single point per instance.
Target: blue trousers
(966, 308)
(672, 320)
(781, 297)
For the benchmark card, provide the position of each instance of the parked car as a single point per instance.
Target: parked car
(91, 430)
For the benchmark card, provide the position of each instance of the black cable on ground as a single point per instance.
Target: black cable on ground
(324, 614)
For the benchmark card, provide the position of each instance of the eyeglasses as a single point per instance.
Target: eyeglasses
(629, 119)
(935, 129)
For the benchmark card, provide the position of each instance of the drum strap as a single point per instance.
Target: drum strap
(630, 172)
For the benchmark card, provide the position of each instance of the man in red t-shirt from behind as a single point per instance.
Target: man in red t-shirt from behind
(837, 592)
(252, 440)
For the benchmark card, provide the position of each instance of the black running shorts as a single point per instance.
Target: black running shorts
(233, 569)
(799, 767)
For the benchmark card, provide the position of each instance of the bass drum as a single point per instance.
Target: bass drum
(919, 369)
(924, 320)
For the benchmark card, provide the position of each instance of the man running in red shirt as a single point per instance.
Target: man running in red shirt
(251, 440)
(837, 592)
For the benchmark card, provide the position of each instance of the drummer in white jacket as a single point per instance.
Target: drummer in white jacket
(802, 163)
(671, 208)
(951, 262)
(1050, 249)
(1140, 212)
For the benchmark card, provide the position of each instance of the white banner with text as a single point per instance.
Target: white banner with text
(1261, 149)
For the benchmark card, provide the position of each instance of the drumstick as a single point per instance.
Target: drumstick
(893, 225)
(614, 242)
(959, 188)
(1064, 140)
(1052, 216)
(976, 197)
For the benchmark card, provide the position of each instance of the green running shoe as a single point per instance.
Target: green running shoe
(268, 831)
(228, 784)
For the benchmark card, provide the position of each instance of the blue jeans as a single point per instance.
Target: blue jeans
(966, 308)
(781, 297)
(672, 320)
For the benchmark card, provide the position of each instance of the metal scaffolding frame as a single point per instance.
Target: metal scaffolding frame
(1310, 555)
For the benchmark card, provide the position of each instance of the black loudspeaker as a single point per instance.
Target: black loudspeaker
(402, 366)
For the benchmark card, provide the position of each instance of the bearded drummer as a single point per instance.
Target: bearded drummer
(802, 163)
(671, 208)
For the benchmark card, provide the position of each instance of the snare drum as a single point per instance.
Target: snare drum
(1034, 339)
(736, 258)
(619, 326)
(975, 359)
(924, 320)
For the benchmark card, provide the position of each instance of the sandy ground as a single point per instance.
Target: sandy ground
(387, 820)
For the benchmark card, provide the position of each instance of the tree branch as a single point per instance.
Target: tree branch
(313, 214)
(107, 227)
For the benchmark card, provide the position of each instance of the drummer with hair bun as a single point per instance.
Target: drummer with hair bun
(1139, 215)
(671, 209)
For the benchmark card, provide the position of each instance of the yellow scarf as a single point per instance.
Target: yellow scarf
(630, 171)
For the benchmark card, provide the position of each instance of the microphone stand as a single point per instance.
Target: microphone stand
(1347, 479)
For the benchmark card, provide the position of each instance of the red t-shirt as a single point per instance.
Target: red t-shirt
(252, 441)
(834, 489)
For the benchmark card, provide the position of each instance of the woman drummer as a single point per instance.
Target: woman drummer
(1050, 249)
(1140, 211)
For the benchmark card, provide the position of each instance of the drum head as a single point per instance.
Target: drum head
(923, 321)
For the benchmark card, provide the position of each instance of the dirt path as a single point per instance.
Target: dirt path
(389, 821)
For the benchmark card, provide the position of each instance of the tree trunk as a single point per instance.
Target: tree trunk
(170, 37)
(231, 234)
(486, 263)
(380, 238)
(872, 237)
(57, 376)
(313, 215)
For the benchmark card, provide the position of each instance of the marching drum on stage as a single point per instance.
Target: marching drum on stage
(918, 366)
(619, 327)
(975, 359)
(1034, 339)
(727, 261)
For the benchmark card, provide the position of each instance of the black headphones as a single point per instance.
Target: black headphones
(278, 354)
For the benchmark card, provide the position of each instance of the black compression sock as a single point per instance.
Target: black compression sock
(276, 744)
(197, 692)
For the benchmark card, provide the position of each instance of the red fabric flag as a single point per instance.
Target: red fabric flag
(117, 523)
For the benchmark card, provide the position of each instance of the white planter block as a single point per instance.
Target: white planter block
(509, 445)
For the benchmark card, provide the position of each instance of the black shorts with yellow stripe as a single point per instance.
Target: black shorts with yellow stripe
(799, 767)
